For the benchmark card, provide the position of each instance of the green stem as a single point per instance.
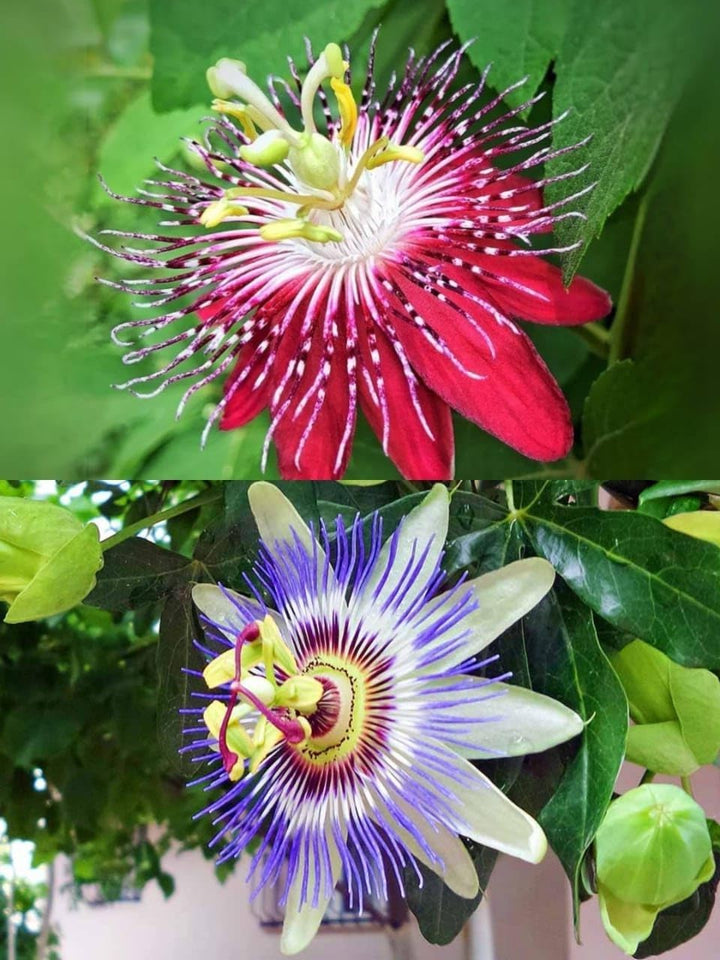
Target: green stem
(596, 336)
(647, 777)
(621, 332)
(207, 496)
(685, 783)
(510, 496)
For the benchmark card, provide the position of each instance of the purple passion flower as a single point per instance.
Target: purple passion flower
(343, 718)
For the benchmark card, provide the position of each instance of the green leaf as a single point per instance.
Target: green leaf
(35, 732)
(138, 135)
(565, 661)
(682, 921)
(518, 42)
(175, 653)
(187, 38)
(632, 570)
(676, 488)
(620, 71)
(136, 572)
(440, 913)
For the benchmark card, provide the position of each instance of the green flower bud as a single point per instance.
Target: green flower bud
(48, 560)
(676, 711)
(653, 849)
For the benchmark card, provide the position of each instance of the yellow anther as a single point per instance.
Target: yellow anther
(268, 149)
(348, 110)
(271, 638)
(220, 210)
(236, 736)
(300, 693)
(239, 111)
(265, 737)
(292, 229)
(222, 669)
(396, 152)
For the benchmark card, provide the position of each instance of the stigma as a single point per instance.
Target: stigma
(320, 173)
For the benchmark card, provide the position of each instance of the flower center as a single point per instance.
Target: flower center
(337, 723)
(282, 705)
(323, 170)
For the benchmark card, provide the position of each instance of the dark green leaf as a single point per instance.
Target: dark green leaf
(186, 39)
(620, 71)
(136, 572)
(440, 913)
(674, 488)
(565, 661)
(175, 653)
(518, 43)
(657, 413)
(35, 732)
(634, 571)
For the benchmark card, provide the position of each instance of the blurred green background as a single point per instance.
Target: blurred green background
(106, 85)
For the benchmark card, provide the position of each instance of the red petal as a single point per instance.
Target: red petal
(246, 401)
(543, 297)
(416, 455)
(519, 401)
(313, 456)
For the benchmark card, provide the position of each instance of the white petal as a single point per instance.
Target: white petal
(456, 867)
(302, 920)
(504, 596)
(277, 519)
(488, 816)
(502, 720)
(217, 605)
(422, 531)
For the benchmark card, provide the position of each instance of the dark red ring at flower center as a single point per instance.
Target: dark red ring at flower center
(328, 708)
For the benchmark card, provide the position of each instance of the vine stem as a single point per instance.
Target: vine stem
(207, 496)
(596, 336)
(620, 339)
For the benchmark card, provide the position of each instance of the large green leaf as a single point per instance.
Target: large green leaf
(518, 41)
(656, 414)
(136, 572)
(635, 572)
(187, 38)
(138, 135)
(440, 913)
(175, 654)
(620, 71)
(565, 661)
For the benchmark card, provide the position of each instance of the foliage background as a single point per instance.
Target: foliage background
(107, 84)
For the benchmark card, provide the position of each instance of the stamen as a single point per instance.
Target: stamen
(348, 111)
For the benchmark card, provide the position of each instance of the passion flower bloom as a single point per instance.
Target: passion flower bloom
(341, 719)
(374, 260)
